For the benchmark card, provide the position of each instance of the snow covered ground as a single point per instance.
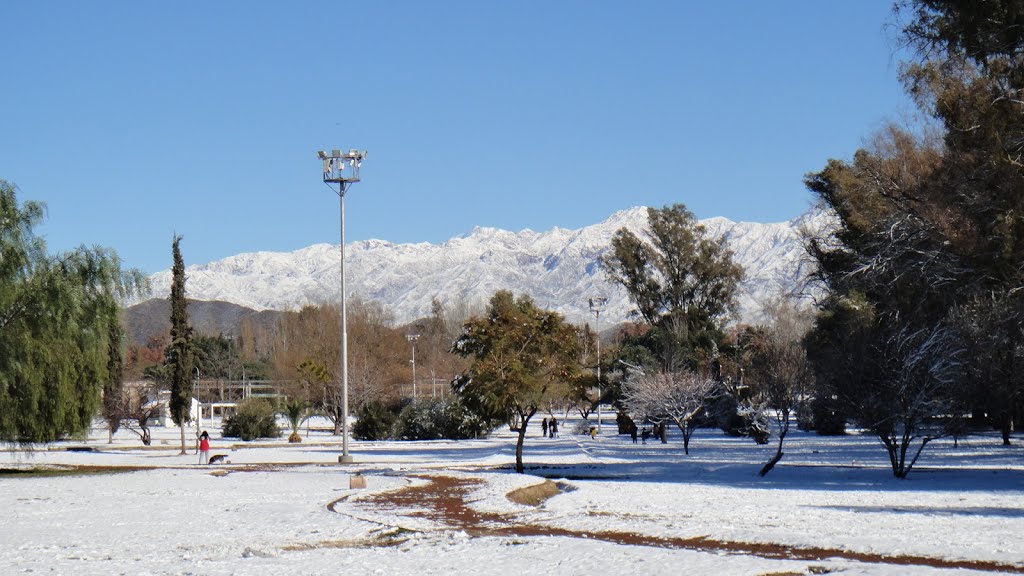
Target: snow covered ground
(831, 506)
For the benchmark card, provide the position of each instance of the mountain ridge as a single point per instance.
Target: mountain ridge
(558, 268)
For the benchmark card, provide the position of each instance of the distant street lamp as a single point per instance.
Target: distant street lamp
(342, 168)
(597, 306)
(412, 338)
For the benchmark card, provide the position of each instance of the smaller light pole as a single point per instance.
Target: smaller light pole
(597, 306)
(199, 414)
(412, 338)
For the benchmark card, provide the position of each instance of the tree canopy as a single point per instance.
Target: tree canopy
(925, 259)
(56, 314)
(682, 281)
(523, 358)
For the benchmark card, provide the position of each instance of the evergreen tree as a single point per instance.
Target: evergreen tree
(970, 77)
(180, 350)
(523, 359)
(923, 268)
(113, 387)
(55, 315)
(682, 281)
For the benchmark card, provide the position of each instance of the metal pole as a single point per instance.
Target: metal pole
(598, 322)
(414, 369)
(597, 304)
(345, 456)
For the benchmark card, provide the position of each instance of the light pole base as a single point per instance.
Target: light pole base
(345, 459)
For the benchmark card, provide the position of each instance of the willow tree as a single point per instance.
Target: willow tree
(180, 350)
(523, 358)
(55, 318)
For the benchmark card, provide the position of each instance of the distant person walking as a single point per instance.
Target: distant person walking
(204, 448)
(632, 432)
(553, 427)
(544, 426)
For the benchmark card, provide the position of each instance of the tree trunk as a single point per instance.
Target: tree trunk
(783, 430)
(182, 428)
(524, 420)
(775, 459)
(890, 449)
(687, 432)
(771, 463)
(519, 449)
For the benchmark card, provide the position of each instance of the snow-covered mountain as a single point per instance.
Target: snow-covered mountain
(558, 268)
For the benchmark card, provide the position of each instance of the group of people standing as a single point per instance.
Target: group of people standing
(549, 428)
(643, 435)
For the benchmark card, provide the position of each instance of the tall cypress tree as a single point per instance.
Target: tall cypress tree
(113, 386)
(180, 351)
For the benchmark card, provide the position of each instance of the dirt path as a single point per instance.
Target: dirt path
(443, 499)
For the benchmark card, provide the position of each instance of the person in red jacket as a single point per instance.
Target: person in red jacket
(204, 448)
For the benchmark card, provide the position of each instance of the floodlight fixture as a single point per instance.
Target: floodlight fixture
(335, 171)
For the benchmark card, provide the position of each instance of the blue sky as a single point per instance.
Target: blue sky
(134, 121)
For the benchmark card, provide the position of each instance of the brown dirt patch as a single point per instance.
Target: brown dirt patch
(442, 499)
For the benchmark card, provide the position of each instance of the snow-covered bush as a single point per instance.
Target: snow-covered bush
(824, 417)
(756, 423)
(374, 421)
(439, 418)
(254, 419)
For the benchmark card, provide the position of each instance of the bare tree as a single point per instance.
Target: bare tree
(433, 351)
(669, 396)
(930, 363)
(378, 359)
(906, 390)
(139, 407)
(780, 373)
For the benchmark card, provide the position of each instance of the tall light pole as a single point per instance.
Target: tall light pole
(412, 338)
(342, 168)
(597, 306)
